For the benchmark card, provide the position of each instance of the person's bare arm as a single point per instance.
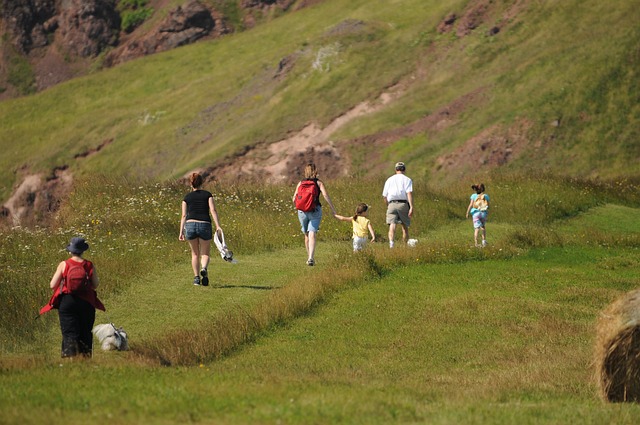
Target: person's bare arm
(94, 278)
(57, 276)
(183, 220)
(324, 192)
(295, 192)
(343, 218)
(469, 208)
(373, 235)
(214, 213)
(410, 199)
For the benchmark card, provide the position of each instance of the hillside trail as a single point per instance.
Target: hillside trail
(167, 299)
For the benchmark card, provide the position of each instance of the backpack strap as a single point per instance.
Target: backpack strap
(315, 181)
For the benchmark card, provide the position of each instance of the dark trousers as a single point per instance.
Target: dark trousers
(76, 321)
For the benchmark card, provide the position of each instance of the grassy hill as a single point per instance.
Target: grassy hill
(553, 89)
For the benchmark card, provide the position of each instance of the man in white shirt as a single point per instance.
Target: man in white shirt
(398, 194)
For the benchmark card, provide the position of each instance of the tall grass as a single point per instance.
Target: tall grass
(442, 333)
(132, 228)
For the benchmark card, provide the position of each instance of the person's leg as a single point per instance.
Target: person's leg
(392, 232)
(68, 326)
(477, 225)
(405, 233)
(205, 251)
(484, 229)
(87, 319)
(195, 258)
(311, 245)
(306, 243)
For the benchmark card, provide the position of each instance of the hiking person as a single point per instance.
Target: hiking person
(398, 194)
(195, 226)
(74, 286)
(307, 201)
(361, 226)
(478, 208)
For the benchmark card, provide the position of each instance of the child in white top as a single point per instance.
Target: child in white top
(361, 225)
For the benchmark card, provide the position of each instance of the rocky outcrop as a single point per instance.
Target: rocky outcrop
(28, 23)
(184, 25)
(85, 27)
(88, 27)
(62, 39)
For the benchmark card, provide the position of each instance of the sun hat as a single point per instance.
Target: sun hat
(77, 246)
(400, 166)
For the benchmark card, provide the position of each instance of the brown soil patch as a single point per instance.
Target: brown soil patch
(492, 148)
(52, 69)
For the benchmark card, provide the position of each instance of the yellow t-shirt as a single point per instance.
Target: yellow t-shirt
(361, 227)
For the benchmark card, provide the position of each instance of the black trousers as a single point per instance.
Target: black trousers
(76, 321)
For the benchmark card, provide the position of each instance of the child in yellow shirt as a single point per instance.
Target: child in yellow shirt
(361, 226)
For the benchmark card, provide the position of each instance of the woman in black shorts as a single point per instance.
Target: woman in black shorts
(195, 226)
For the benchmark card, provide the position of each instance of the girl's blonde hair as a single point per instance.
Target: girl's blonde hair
(361, 208)
(310, 171)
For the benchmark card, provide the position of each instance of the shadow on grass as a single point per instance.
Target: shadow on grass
(263, 288)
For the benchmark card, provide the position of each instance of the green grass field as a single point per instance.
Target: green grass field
(443, 333)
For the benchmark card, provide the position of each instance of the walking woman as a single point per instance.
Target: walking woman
(307, 201)
(195, 226)
(74, 286)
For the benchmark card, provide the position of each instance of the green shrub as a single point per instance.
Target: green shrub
(133, 13)
(20, 75)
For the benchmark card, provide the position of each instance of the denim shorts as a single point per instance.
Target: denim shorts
(310, 221)
(198, 229)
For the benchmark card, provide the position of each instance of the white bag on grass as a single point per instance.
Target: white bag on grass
(225, 252)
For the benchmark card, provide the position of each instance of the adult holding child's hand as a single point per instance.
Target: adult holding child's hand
(307, 201)
(195, 226)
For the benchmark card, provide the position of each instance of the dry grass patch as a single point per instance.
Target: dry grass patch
(617, 354)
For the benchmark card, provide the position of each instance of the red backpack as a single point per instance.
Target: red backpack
(76, 277)
(307, 196)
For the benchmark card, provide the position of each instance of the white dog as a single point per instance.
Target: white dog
(110, 337)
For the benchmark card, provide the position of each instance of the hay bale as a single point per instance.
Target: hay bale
(617, 354)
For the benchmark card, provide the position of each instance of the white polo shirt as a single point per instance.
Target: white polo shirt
(396, 187)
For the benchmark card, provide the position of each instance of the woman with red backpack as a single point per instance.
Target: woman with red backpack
(307, 201)
(74, 286)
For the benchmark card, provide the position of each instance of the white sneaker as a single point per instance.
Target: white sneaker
(484, 243)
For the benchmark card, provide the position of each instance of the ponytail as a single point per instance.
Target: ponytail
(361, 208)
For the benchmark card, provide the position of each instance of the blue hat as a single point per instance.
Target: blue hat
(77, 246)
